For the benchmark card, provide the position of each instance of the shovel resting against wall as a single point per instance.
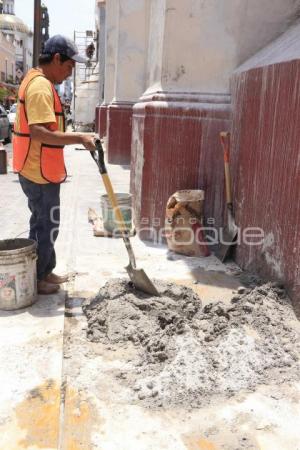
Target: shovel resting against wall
(229, 233)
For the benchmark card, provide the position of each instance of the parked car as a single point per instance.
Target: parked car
(5, 129)
(12, 115)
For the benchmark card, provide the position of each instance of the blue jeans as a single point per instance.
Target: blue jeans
(44, 204)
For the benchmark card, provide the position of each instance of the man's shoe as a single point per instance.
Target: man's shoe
(45, 288)
(56, 279)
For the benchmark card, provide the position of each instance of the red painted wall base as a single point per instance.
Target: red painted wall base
(97, 119)
(175, 145)
(102, 126)
(119, 127)
(266, 136)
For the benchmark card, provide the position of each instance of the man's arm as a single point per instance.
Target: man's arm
(41, 132)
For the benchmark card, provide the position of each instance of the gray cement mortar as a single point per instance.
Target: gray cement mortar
(187, 354)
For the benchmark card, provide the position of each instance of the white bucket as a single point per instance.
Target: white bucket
(110, 223)
(18, 283)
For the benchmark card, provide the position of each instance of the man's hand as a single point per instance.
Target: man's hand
(88, 141)
(43, 133)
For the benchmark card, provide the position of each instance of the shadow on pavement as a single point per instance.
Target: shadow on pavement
(45, 306)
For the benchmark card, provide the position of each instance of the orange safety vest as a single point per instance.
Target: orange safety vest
(52, 156)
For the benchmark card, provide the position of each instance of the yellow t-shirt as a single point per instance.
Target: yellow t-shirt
(39, 104)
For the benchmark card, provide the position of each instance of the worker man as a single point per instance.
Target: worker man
(39, 139)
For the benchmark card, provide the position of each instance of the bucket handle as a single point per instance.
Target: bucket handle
(20, 234)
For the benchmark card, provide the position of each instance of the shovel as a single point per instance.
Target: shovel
(230, 232)
(138, 277)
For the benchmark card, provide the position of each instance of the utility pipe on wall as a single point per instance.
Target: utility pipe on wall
(37, 32)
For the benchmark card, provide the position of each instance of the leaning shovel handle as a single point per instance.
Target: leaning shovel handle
(119, 216)
(113, 200)
(225, 141)
(114, 203)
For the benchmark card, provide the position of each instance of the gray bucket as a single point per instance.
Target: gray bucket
(18, 283)
(109, 221)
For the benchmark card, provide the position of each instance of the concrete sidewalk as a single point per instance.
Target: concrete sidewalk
(31, 348)
(57, 389)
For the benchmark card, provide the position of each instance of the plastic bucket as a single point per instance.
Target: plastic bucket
(109, 221)
(18, 283)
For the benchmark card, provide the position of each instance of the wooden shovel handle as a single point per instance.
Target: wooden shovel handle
(225, 141)
(119, 216)
(114, 202)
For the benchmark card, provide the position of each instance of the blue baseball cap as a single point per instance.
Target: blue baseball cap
(64, 46)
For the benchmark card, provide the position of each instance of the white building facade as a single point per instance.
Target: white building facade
(17, 32)
(7, 59)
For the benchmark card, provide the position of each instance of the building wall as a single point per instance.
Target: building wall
(266, 160)
(109, 37)
(193, 48)
(100, 12)
(23, 45)
(7, 59)
(8, 6)
(100, 25)
(27, 51)
(195, 45)
(131, 38)
(21, 37)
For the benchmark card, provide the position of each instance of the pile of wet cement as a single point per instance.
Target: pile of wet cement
(187, 354)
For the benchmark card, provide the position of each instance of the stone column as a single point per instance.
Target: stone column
(101, 57)
(110, 39)
(194, 46)
(129, 81)
(101, 50)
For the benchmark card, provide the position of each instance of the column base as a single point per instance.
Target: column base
(119, 128)
(102, 126)
(176, 145)
(97, 119)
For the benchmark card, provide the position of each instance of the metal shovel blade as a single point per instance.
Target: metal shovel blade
(228, 241)
(141, 281)
(228, 238)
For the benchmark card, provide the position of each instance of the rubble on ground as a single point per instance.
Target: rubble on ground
(187, 354)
